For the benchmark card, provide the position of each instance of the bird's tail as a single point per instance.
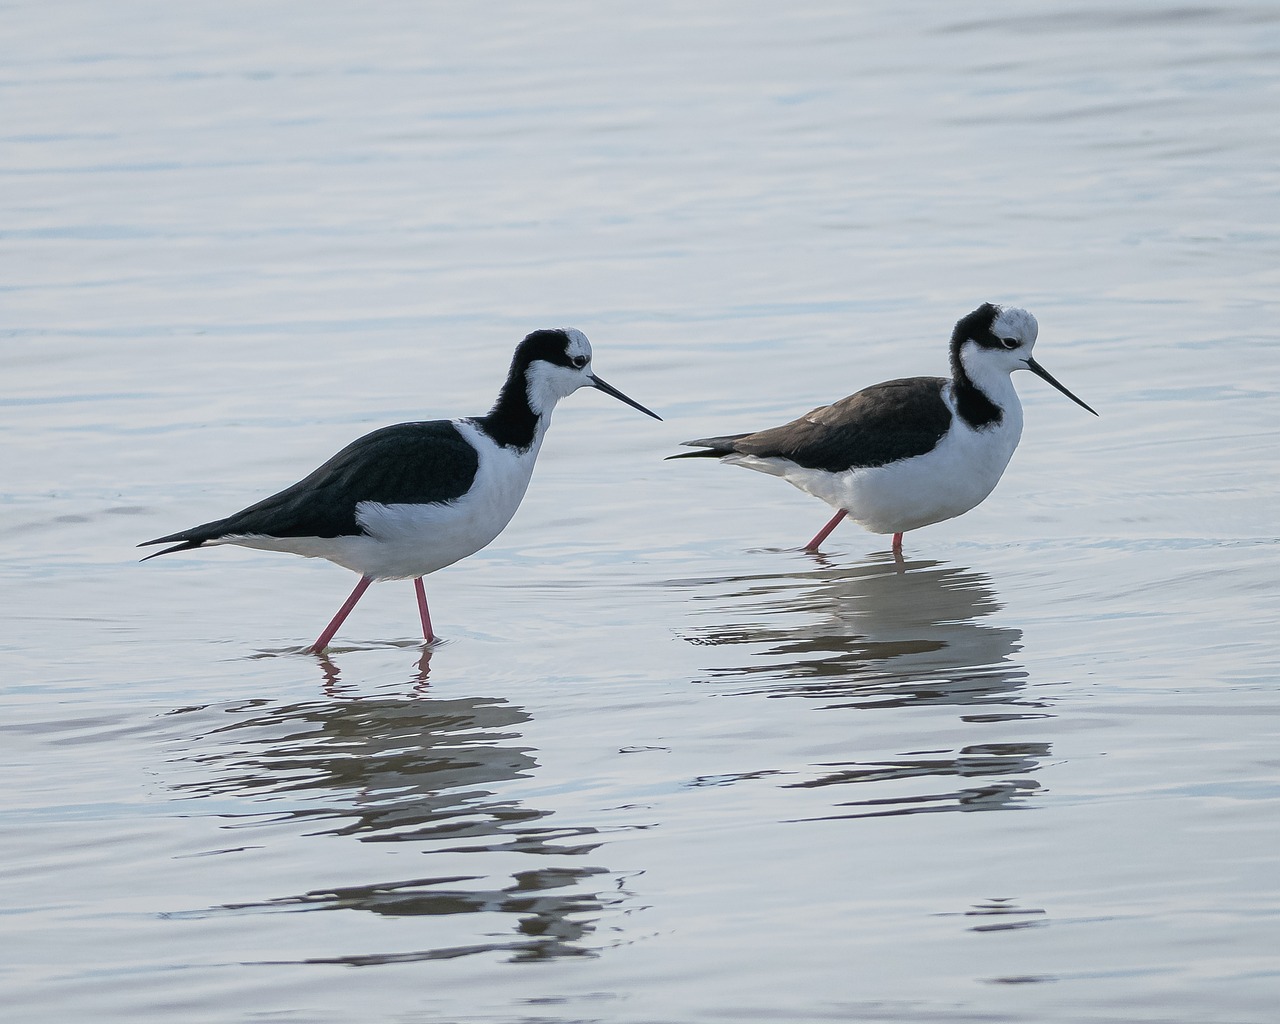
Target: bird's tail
(711, 447)
(187, 540)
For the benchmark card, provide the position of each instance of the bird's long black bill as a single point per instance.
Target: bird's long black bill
(609, 389)
(1044, 374)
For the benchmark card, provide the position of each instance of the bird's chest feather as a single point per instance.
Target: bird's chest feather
(984, 453)
(428, 537)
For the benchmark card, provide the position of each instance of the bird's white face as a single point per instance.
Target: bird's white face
(993, 355)
(578, 344)
(990, 356)
(1016, 325)
(1005, 348)
(560, 363)
(557, 377)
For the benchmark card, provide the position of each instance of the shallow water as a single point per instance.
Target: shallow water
(666, 767)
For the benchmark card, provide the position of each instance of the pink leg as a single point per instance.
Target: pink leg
(825, 532)
(422, 611)
(897, 543)
(323, 640)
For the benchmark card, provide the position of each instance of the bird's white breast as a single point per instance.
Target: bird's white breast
(413, 540)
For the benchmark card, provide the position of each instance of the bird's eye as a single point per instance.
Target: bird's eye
(579, 361)
(1009, 343)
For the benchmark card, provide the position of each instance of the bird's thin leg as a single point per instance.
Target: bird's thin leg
(323, 640)
(825, 532)
(427, 634)
(897, 544)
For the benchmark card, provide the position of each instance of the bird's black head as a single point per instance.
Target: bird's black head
(562, 346)
(547, 366)
(986, 347)
(976, 327)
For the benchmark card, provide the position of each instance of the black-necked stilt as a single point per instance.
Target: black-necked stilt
(906, 453)
(409, 499)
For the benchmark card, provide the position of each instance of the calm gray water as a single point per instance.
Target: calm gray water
(667, 768)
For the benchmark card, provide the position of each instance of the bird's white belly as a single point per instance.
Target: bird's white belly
(405, 541)
(955, 476)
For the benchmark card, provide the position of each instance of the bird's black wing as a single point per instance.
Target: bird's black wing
(880, 424)
(409, 463)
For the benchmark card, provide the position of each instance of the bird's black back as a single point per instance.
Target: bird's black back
(884, 423)
(409, 463)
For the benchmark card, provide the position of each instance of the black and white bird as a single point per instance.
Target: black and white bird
(906, 453)
(406, 500)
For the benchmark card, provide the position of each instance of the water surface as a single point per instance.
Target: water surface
(666, 767)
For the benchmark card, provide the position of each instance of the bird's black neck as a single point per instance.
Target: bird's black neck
(512, 422)
(972, 403)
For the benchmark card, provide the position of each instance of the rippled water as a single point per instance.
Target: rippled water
(667, 768)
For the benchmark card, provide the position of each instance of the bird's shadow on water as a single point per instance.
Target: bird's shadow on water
(907, 636)
(425, 773)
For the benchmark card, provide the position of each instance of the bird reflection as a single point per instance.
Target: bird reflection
(426, 772)
(337, 690)
(869, 635)
(331, 675)
(546, 928)
(880, 635)
(977, 763)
